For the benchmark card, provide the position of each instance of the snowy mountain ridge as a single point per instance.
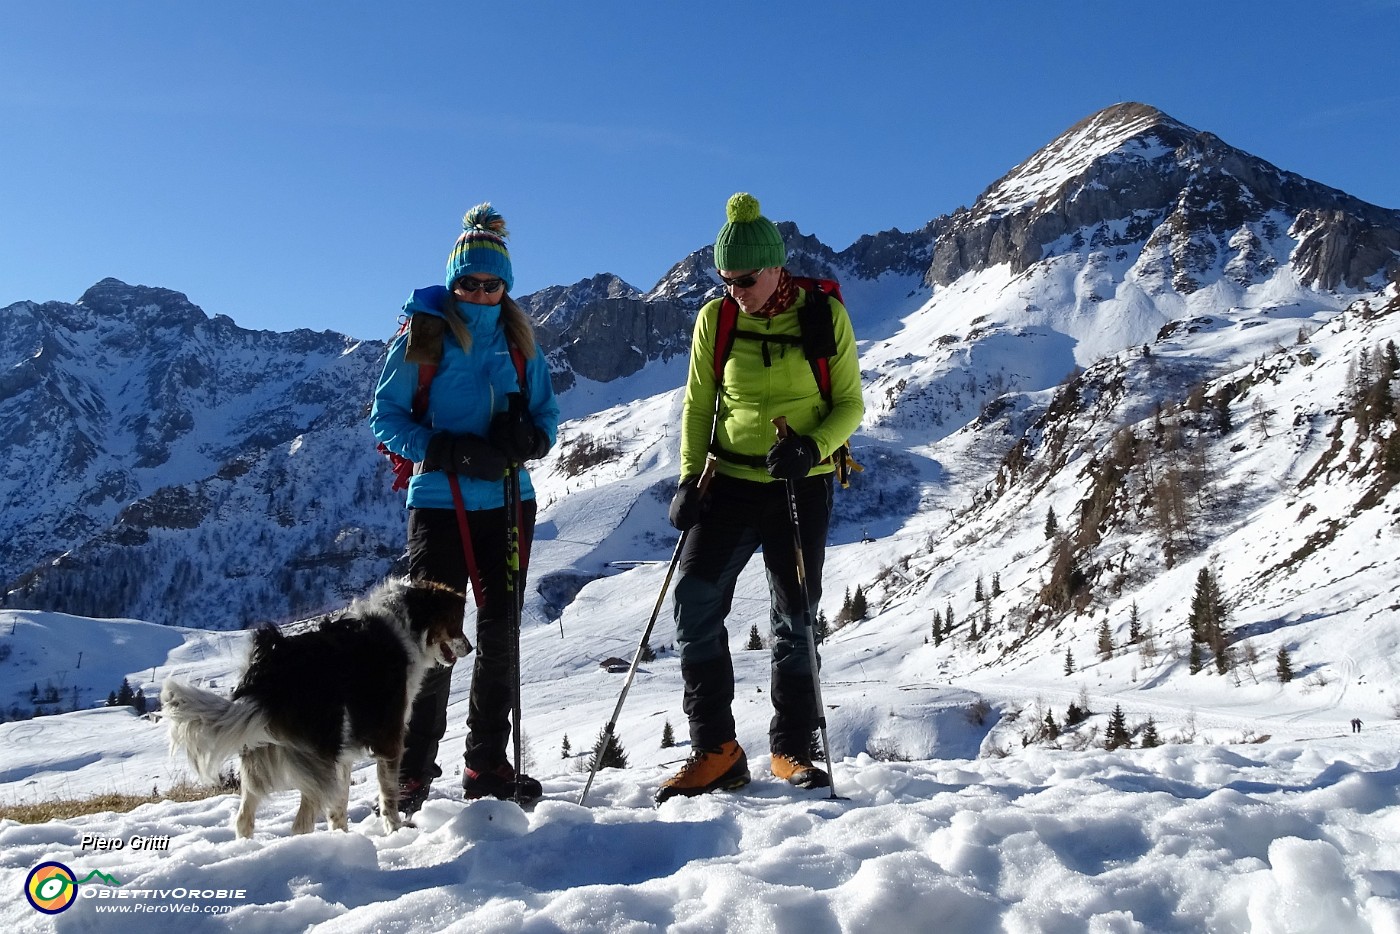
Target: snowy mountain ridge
(1082, 400)
(258, 439)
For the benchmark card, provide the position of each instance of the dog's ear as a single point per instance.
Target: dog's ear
(435, 606)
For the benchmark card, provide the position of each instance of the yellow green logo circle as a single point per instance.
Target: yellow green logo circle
(50, 888)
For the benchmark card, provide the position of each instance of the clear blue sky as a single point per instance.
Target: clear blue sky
(306, 164)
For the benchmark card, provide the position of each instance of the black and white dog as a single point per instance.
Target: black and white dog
(310, 703)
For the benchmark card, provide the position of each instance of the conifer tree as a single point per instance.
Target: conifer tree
(821, 626)
(1069, 662)
(565, 750)
(948, 620)
(1105, 643)
(858, 607)
(1193, 661)
(124, 694)
(1052, 528)
(668, 735)
(1150, 739)
(977, 594)
(646, 653)
(755, 640)
(937, 626)
(1117, 735)
(1208, 611)
(1052, 729)
(1134, 625)
(996, 583)
(1283, 665)
(843, 615)
(614, 758)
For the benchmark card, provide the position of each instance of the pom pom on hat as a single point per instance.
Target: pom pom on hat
(742, 208)
(481, 248)
(485, 217)
(749, 240)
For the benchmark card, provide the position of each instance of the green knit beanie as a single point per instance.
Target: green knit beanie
(749, 240)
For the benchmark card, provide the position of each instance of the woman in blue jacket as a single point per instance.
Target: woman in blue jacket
(484, 409)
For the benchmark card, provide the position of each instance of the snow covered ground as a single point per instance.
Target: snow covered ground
(1262, 812)
(1277, 818)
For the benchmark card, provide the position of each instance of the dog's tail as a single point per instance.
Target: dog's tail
(210, 729)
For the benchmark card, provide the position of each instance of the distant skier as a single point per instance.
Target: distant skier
(765, 375)
(1356, 725)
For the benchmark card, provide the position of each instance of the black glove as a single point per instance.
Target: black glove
(514, 431)
(792, 457)
(687, 506)
(469, 455)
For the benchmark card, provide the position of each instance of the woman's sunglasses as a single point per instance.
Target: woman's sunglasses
(489, 286)
(746, 281)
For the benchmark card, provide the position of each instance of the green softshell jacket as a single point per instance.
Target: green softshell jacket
(754, 393)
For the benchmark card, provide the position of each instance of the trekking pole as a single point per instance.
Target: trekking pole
(705, 476)
(517, 597)
(781, 424)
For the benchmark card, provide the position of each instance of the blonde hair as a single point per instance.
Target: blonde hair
(520, 332)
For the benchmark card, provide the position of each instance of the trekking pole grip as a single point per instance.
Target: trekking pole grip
(708, 474)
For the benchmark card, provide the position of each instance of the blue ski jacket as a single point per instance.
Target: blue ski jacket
(469, 388)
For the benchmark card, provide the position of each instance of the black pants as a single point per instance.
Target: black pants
(741, 517)
(435, 553)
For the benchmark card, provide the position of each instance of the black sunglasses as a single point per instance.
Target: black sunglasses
(746, 281)
(489, 286)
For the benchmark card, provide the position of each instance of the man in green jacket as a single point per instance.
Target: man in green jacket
(766, 375)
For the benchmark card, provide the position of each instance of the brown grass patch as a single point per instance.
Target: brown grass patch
(68, 808)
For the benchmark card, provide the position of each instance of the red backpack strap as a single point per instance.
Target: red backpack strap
(726, 323)
(426, 372)
(517, 356)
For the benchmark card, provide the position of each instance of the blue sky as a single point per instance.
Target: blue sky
(306, 164)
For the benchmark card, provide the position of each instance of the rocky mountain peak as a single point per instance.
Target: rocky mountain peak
(1130, 130)
(1134, 181)
(557, 305)
(140, 304)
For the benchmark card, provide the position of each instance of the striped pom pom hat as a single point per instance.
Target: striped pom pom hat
(481, 248)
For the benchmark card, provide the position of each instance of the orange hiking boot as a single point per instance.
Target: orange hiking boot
(799, 771)
(722, 769)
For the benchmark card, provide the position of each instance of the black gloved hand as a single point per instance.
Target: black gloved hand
(792, 457)
(469, 455)
(687, 506)
(515, 433)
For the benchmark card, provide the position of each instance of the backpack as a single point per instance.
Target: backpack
(817, 337)
(425, 333)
